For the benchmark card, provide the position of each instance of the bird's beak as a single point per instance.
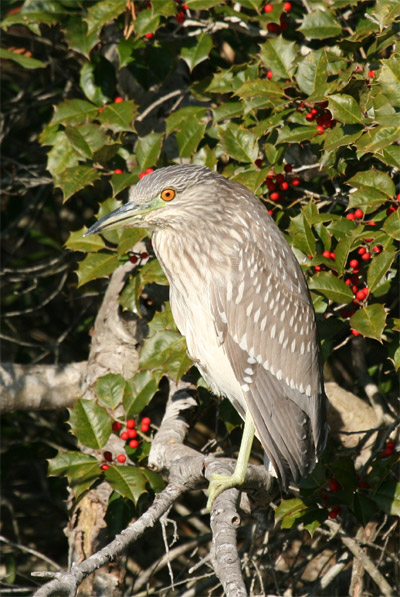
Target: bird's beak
(130, 215)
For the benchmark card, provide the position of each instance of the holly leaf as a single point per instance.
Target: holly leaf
(369, 321)
(90, 423)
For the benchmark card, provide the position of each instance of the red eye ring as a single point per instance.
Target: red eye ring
(168, 194)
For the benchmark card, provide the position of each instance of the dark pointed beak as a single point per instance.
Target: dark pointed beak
(130, 215)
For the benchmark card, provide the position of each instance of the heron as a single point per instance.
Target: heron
(240, 298)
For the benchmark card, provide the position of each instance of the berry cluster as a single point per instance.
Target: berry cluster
(283, 9)
(317, 113)
(278, 184)
(181, 14)
(145, 173)
(129, 435)
(138, 257)
(388, 450)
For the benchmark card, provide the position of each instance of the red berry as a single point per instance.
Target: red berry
(287, 7)
(149, 35)
(268, 8)
(116, 426)
(351, 216)
(355, 333)
(132, 433)
(359, 213)
(348, 282)
(104, 467)
(360, 295)
(346, 313)
(288, 167)
(149, 170)
(144, 255)
(371, 74)
(133, 259)
(274, 196)
(133, 444)
(391, 210)
(371, 223)
(326, 254)
(121, 458)
(398, 196)
(317, 268)
(146, 420)
(314, 111)
(353, 263)
(390, 444)
(271, 212)
(310, 117)
(361, 250)
(181, 17)
(107, 456)
(271, 186)
(258, 163)
(141, 175)
(118, 100)
(366, 256)
(273, 28)
(333, 255)
(334, 485)
(269, 74)
(377, 249)
(366, 292)
(320, 129)
(124, 435)
(284, 186)
(131, 423)
(354, 289)
(386, 453)
(144, 427)
(295, 181)
(118, 171)
(279, 178)
(334, 513)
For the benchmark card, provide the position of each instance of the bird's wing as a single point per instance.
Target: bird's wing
(264, 318)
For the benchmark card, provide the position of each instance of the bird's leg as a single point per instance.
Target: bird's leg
(219, 483)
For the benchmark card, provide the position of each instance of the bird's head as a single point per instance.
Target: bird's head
(161, 197)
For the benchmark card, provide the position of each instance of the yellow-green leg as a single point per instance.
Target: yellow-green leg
(219, 483)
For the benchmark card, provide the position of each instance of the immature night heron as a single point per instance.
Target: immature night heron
(239, 296)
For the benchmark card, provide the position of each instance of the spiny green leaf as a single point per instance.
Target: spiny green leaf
(81, 470)
(320, 25)
(369, 321)
(88, 244)
(119, 117)
(96, 265)
(345, 109)
(331, 287)
(90, 423)
(238, 143)
(110, 389)
(392, 225)
(196, 50)
(128, 481)
(378, 268)
(279, 55)
(148, 149)
(102, 12)
(24, 61)
(140, 390)
(73, 180)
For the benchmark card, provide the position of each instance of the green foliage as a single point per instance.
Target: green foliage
(319, 91)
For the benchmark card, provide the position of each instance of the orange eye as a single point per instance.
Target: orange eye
(168, 194)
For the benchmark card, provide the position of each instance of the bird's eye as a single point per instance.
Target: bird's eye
(168, 194)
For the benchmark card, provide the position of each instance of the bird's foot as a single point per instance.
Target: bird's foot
(220, 483)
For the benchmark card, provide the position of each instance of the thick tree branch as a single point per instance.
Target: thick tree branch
(40, 387)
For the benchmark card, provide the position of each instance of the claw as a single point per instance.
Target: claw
(218, 484)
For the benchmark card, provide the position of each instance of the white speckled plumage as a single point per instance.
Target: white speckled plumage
(239, 297)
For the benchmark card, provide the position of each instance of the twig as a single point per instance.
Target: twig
(68, 582)
(366, 562)
(159, 101)
(35, 553)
